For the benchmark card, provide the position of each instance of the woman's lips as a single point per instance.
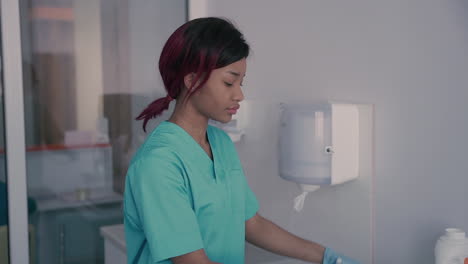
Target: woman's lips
(232, 111)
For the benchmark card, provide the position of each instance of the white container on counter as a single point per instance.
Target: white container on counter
(452, 248)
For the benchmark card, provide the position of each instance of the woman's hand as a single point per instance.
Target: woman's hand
(331, 257)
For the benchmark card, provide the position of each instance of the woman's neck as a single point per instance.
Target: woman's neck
(191, 121)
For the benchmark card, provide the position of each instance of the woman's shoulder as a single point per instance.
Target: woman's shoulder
(155, 162)
(155, 150)
(160, 148)
(160, 141)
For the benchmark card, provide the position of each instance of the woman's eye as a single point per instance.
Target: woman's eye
(228, 84)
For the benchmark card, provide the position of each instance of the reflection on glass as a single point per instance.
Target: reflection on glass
(89, 69)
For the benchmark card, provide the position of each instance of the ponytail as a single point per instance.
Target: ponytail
(154, 109)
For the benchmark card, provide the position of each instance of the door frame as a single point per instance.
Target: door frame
(15, 151)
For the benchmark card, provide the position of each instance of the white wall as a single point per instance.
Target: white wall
(409, 58)
(150, 25)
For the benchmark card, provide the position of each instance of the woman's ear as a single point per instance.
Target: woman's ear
(188, 80)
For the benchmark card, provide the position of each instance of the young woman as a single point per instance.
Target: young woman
(186, 196)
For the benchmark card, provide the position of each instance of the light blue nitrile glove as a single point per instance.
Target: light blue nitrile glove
(331, 257)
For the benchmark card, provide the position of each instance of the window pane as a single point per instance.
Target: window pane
(90, 67)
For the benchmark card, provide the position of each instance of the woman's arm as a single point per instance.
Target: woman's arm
(263, 233)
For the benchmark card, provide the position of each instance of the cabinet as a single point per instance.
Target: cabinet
(70, 235)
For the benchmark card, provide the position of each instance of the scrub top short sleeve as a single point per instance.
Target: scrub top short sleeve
(178, 200)
(162, 202)
(251, 203)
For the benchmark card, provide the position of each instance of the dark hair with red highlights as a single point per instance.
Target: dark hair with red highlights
(198, 46)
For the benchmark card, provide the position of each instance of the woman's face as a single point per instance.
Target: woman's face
(219, 98)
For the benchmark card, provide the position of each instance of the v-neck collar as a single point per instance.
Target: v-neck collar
(194, 143)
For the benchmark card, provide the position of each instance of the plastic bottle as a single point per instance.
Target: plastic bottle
(452, 248)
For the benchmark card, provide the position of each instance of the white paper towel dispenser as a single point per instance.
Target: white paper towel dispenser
(319, 145)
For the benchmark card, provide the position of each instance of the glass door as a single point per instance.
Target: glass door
(89, 67)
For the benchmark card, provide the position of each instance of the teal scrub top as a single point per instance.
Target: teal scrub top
(177, 200)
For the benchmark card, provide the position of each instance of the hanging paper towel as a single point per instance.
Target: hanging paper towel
(319, 145)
